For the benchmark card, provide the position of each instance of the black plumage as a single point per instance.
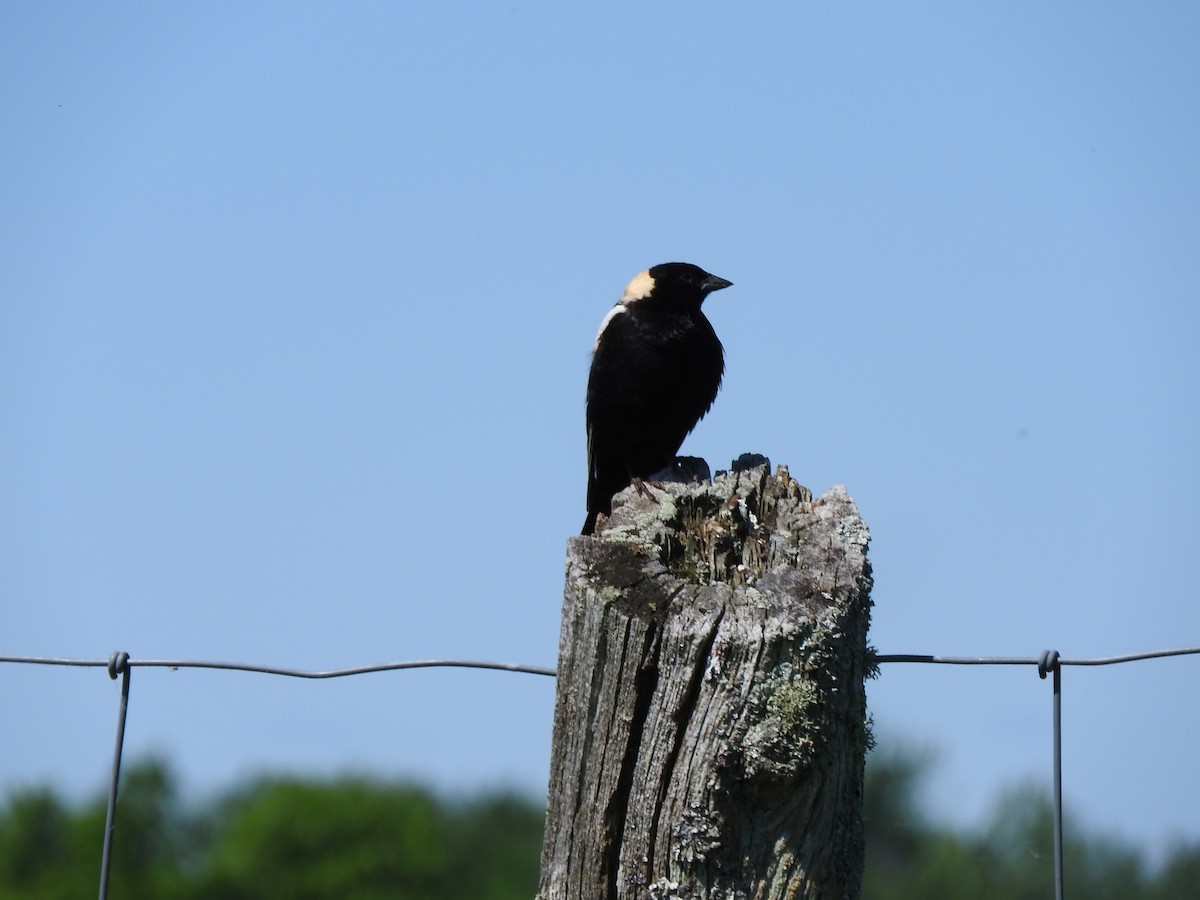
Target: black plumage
(655, 372)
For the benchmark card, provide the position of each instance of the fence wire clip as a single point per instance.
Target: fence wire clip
(1047, 662)
(117, 664)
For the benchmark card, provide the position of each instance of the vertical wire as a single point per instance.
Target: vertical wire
(117, 664)
(1049, 663)
(1058, 802)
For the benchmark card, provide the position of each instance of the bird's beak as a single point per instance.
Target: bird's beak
(713, 283)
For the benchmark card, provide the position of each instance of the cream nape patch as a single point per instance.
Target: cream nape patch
(638, 289)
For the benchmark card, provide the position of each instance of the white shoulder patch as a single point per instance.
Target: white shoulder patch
(615, 311)
(639, 288)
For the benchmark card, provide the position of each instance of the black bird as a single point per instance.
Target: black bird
(655, 372)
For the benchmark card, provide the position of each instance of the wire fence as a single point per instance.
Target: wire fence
(120, 665)
(1049, 663)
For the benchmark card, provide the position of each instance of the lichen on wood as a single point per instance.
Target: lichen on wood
(710, 723)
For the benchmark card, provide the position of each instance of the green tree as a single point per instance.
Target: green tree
(292, 840)
(50, 852)
(1180, 876)
(500, 838)
(355, 838)
(152, 837)
(1011, 858)
(38, 838)
(361, 839)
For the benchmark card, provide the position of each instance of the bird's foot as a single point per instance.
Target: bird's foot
(640, 486)
(682, 470)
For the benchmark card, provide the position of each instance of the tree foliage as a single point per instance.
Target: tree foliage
(283, 838)
(361, 839)
(1011, 858)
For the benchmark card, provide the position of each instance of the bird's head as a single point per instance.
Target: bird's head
(675, 284)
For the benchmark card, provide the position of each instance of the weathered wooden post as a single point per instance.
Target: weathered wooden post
(710, 723)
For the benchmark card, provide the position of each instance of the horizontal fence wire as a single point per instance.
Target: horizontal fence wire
(120, 664)
(280, 670)
(1031, 660)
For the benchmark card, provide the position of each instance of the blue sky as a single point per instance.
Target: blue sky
(296, 302)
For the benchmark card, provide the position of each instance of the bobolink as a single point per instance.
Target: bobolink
(655, 372)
